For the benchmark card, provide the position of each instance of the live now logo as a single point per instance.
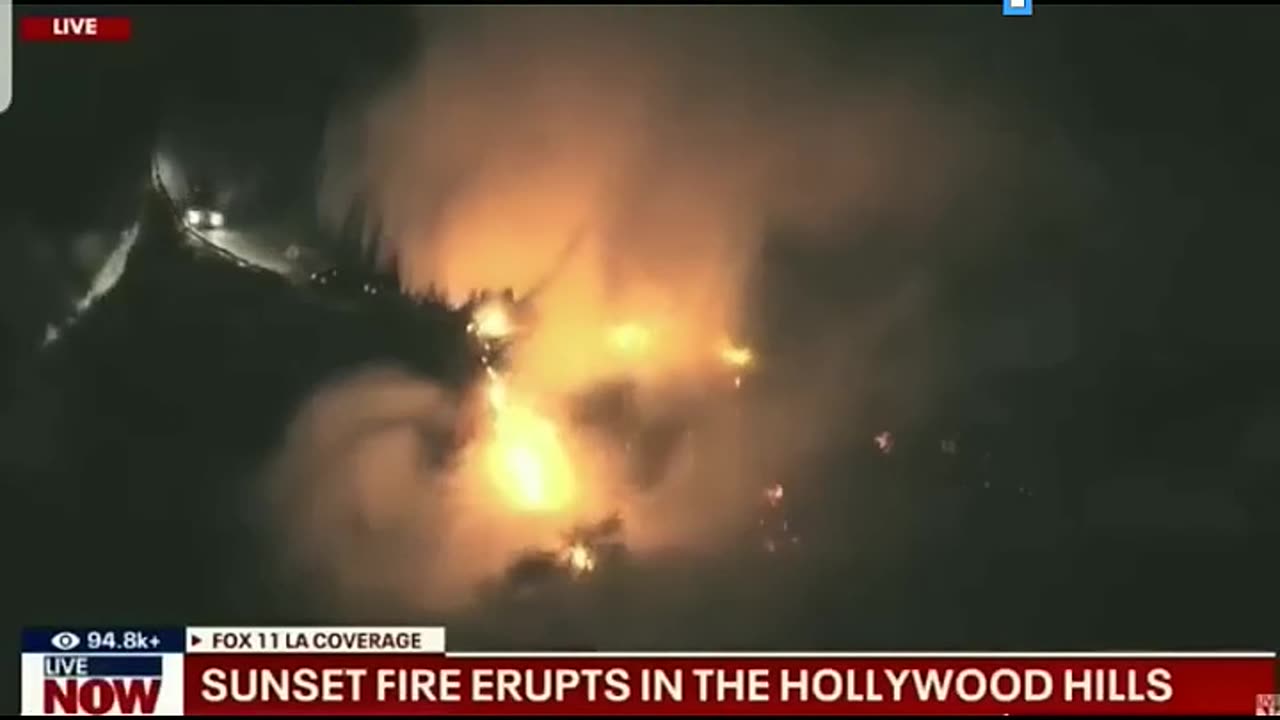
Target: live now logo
(75, 29)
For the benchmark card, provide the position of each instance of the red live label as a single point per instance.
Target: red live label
(74, 29)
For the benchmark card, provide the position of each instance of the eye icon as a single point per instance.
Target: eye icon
(65, 641)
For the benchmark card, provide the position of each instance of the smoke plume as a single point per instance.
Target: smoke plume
(625, 165)
(670, 140)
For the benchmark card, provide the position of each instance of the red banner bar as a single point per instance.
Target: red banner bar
(710, 685)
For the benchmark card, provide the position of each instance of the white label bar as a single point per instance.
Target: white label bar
(320, 640)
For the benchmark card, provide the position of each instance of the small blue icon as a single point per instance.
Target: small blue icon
(1017, 8)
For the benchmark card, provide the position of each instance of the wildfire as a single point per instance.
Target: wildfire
(526, 458)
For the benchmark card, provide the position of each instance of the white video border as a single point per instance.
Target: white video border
(6, 54)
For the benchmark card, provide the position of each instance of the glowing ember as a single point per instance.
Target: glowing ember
(884, 442)
(579, 558)
(737, 356)
(492, 321)
(773, 495)
(630, 338)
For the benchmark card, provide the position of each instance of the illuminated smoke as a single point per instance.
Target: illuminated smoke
(625, 165)
(103, 282)
(372, 517)
(359, 507)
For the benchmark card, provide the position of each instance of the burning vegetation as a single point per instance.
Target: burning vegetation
(534, 460)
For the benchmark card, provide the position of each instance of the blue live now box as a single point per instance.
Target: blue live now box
(1017, 8)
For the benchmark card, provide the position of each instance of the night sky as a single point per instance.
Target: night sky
(1105, 331)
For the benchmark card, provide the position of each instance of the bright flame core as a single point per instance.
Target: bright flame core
(579, 558)
(492, 321)
(526, 459)
(737, 356)
(630, 338)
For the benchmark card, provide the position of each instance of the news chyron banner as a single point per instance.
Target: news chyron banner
(383, 670)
